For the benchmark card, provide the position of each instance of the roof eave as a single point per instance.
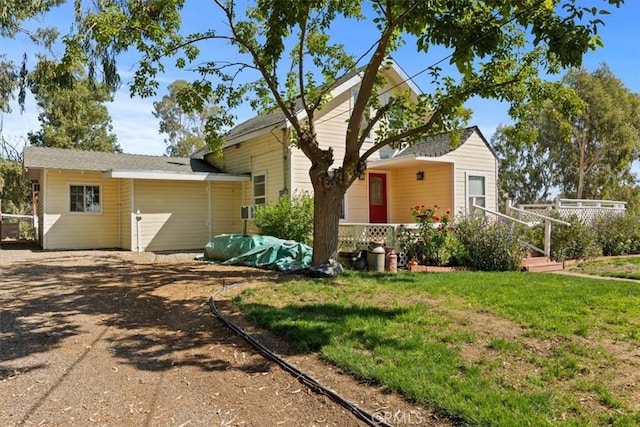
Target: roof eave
(253, 134)
(403, 160)
(175, 176)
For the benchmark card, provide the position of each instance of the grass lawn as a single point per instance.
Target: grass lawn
(625, 267)
(494, 349)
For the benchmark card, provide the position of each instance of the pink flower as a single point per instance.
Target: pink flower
(436, 218)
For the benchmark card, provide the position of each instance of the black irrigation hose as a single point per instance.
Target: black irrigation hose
(305, 379)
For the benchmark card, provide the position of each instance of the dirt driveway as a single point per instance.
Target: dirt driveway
(119, 338)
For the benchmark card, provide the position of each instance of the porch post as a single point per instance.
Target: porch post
(547, 238)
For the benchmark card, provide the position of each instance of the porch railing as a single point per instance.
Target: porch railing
(358, 236)
(546, 221)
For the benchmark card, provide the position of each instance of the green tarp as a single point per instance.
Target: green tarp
(258, 251)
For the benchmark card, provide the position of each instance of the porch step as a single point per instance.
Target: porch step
(541, 264)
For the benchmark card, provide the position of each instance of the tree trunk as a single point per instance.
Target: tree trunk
(327, 202)
(581, 168)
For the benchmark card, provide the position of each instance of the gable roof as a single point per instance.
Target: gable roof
(439, 145)
(60, 158)
(277, 119)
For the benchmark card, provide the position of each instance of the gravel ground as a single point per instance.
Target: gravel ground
(125, 339)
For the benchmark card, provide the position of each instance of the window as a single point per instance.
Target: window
(352, 103)
(376, 191)
(260, 189)
(476, 192)
(84, 198)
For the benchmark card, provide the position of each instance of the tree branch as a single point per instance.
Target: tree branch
(401, 136)
(269, 79)
(303, 34)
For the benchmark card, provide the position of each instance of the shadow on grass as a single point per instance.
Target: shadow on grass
(312, 326)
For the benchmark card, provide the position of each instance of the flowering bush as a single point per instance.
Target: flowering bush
(428, 243)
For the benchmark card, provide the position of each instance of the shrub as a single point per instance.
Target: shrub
(617, 234)
(428, 244)
(288, 218)
(491, 245)
(577, 241)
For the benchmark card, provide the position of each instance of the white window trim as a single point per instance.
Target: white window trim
(344, 200)
(467, 175)
(84, 184)
(352, 102)
(253, 187)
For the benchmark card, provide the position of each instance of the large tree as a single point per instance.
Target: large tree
(185, 129)
(15, 192)
(288, 61)
(584, 148)
(73, 113)
(12, 15)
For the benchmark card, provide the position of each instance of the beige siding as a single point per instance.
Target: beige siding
(40, 206)
(67, 230)
(226, 199)
(473, 157)
(357, 202)
(331, 129)
(263, 154)
(174, 214)
(126, 214)
(406, 192)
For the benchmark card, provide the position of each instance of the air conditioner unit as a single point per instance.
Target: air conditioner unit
(246, 211)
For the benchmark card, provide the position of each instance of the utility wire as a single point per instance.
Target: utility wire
(440, 61)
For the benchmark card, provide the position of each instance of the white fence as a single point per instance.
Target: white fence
(358, 236)
(586, 210)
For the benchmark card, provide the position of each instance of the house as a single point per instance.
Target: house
(92, 200)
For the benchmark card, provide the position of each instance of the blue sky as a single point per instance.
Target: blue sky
(137, 129)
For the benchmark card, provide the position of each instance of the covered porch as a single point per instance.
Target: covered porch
(389, 189)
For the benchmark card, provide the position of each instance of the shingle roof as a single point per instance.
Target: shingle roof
(59, 158)
(271, 120)
(438, 145)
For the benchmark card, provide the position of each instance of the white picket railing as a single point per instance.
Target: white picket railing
(586, 210)
(358, 236)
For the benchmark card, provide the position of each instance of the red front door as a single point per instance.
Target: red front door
(377, 198)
